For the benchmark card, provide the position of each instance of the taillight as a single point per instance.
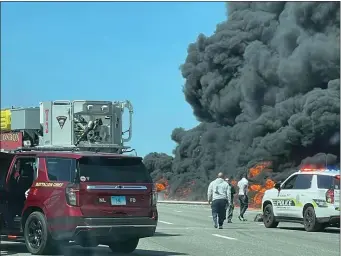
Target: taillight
(72, 195)
(330, 196)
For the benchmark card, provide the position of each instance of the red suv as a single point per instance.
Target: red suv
(89, 198)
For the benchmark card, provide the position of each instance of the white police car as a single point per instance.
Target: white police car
(309, 196)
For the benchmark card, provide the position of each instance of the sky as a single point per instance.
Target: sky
(106, 51)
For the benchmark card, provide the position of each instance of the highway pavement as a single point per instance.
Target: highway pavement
(188, 230)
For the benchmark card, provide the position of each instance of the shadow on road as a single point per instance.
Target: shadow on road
(328, 230)
(11, 249)
(102, 251)
(20, 248)
(165, 234)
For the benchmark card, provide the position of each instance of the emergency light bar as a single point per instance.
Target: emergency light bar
(318, 170)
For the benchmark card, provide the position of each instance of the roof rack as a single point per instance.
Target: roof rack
(107, 148)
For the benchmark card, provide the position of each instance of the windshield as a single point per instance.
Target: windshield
(115, 170)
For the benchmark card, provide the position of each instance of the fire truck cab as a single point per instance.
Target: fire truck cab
(64, 177)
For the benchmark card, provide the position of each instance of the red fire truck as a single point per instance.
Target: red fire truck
(9, 140)
(64, 177)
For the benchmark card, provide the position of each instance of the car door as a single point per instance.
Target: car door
(283, 203)
(19, 179)
(300, 193)
(6, 160)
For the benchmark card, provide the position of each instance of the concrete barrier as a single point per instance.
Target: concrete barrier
(181, 202)
(197, 203)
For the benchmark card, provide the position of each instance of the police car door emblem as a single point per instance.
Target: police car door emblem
(61, 120)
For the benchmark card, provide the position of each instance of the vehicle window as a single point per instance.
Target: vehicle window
(22, 175)
(327, 182)
(24, 168)
(60, 169)
(5, 163)
(120, 170)
(303, 181)
(289, 184)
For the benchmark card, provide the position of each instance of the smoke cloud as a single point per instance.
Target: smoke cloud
(265, 87)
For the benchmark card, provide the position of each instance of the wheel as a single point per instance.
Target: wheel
(269, 219)
(309, 220)
(124, 246)
(37, 236)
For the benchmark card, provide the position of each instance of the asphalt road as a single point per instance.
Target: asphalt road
(188, 230)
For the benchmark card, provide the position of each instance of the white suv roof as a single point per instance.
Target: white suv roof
(328, 172)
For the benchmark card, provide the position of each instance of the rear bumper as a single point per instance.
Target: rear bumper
(329, 215)
(103, 229)
(332, 220)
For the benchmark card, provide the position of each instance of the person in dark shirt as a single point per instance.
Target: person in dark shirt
(230, 208)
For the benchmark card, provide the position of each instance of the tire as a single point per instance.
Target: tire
(269, 219)
(36, 225)
(309, 220)
(125, 246)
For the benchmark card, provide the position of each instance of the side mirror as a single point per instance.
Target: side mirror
(277, 186)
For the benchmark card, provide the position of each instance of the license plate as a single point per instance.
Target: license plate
(118, 200)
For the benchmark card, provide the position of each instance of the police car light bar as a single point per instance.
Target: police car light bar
(312, 170)
(318, 170)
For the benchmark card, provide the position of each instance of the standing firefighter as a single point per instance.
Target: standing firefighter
(230, 207)
(243, 198)
(219, 196)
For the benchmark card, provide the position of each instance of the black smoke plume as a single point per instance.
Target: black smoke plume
(265, 87)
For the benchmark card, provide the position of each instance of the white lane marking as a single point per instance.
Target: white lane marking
(261, 224)
(226, 237)
(178, 211)
(165, 222)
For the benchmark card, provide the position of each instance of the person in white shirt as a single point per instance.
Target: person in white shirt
(219, 195)
(242, 196)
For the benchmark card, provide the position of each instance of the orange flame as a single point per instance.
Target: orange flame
(269, 184)
(258, 168)
(160, 187)
(262, 190)
(257, 199)
(256, 191)
(255, 187)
